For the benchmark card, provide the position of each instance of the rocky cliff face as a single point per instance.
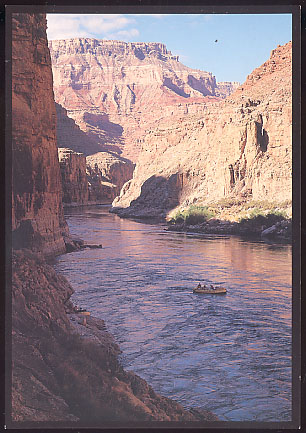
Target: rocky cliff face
(74, 179)
(37, 214)
(226, 88)
(240, 147)
(70, 136)
(114, 90)
(106, 174)
(87, 174)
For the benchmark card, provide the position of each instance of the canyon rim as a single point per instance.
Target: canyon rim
(101, 121)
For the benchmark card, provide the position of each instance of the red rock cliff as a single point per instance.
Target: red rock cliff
(114, 90)
(239, 147)
(37, 213)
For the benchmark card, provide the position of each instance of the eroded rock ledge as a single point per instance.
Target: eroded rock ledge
(63, 371)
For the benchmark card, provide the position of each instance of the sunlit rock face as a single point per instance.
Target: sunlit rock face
(37, 214)
(239, 147)
(115, 90)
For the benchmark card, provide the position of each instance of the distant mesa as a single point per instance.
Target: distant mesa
(117, 90)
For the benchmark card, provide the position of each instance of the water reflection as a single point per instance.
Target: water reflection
(229, 353)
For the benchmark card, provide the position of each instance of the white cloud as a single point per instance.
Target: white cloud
(104, 23)
(61, 26)
(124, 35)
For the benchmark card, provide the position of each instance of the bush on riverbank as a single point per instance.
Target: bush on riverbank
(231, 217)
(193, 215)
(259, 218)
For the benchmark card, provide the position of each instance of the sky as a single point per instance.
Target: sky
(230, 46)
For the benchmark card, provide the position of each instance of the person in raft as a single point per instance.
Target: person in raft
(199, 286)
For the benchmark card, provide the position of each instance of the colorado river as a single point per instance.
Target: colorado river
(229, 353)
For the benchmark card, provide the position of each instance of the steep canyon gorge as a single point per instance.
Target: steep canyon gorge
(194, 141)
(61, 370)
(128, 124)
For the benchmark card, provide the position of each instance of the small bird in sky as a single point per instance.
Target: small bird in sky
(216, 40)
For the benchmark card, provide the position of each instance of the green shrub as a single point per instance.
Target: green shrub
(193, 215)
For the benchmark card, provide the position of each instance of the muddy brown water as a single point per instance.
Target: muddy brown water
(228, 353)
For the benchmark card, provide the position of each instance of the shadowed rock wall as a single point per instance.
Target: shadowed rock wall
(37, 213)
(74, 179)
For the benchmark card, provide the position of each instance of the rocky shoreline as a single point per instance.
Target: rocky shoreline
(277, 229)
(65, 371)
(280, 231)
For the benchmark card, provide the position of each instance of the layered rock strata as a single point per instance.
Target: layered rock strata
(70, 135)
(114, 90)
(74, 179)
(240, 147)
(37, 213)
(226, 88)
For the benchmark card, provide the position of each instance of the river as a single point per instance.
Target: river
(231, 353)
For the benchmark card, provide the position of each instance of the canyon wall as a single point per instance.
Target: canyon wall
(88, 175)
(106, 174)
(37, 213)
(74, 179)
(70, 136)
(240, 147)
(115, 90)
(62, 371)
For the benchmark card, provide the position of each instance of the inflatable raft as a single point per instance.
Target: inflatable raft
(210, 290)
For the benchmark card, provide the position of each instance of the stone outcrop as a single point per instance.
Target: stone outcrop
(37, 213)
(106, 174)
(239, 147)
(115, 90)
(74, 179)
(64, 371)
(226, 88)
(88, 175)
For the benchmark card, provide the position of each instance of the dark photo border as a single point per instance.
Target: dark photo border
(168, 7)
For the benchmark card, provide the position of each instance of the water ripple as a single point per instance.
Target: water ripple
(228, 353)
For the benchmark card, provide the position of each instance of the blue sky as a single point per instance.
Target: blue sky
(244, 42)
